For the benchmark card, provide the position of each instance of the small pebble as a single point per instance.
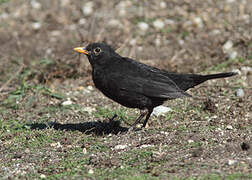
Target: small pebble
(132, 42)
(198, 22)
(214, 117)
(36, 25)
(216, 31)
(157, 42)
(227, 46)
(140, 48)
(89, 110)
(233, 55)
(48, 51)
(188, 23)
(65, 2)
(124, 4)
(160, 110)
(4, 169)
(55, 33)
(80, 88)
(158, 24)
(246, 69)
(56, 144)
(163, 4)
(163, 132)
(27, 150)
(87, 9)
(82, 21)
(122, 12)
(90, 171)
(181, 42)
(229, 127)
(246, 18)
(139, 125)
(237, 71)
(169, 21)
(146, 145)
(143, 26)
(231, 162)
(35, 4)
(114, 23)
(190, 141)
(240, 92)
(42, 176)
(72, 27)
(84, 151)
(67, 102)
(120, 147)
(90, 88)
(4, 16)
(230, 1)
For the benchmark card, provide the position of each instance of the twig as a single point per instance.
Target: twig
(177, 54)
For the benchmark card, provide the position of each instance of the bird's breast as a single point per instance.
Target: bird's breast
(101, 80)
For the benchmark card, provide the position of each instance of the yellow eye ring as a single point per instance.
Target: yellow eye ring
(97, 50)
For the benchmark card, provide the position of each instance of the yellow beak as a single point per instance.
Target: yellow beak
(81, 50)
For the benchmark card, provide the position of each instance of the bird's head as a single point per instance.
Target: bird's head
(97, 53)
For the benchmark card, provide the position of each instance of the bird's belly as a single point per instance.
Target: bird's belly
(132, 100)
(125, 98)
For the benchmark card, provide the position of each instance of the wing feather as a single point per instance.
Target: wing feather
(142, 79)
(149, 87)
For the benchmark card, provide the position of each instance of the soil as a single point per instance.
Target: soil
(207, 136)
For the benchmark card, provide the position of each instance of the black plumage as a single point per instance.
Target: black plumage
(136, 85)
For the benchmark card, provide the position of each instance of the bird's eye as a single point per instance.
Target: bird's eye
(97, 50)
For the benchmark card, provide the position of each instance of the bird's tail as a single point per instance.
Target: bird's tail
(186, 81)
(198, 79)
(219, 75)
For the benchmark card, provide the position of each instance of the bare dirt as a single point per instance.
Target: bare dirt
(207, 137)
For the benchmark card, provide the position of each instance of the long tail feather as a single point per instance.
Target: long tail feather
(220, 75)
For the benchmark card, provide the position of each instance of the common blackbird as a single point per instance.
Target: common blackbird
(136, 85)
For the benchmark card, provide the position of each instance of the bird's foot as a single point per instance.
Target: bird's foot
(112, 119)
(145, 125)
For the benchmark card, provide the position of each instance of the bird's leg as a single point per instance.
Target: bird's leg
(143, 113)
(147, 117)
(112, 119)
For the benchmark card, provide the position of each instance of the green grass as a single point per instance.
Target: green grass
(39, 137)
(234, 176)
(130, 173)
(3, 1)
(23, 145)
(122, 114)
(184, 34)
(228, 63)
(29, 93)
(166, 31)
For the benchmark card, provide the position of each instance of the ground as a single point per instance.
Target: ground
(54, 123)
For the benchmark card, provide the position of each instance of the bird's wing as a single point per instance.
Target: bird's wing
(154, 85)
(128, 75)
(163, 87)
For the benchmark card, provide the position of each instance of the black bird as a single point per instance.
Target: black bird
(136, 85)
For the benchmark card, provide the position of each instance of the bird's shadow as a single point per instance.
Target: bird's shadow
(93, 127)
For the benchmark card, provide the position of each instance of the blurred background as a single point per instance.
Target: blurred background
(176, 35)
(46, 87)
